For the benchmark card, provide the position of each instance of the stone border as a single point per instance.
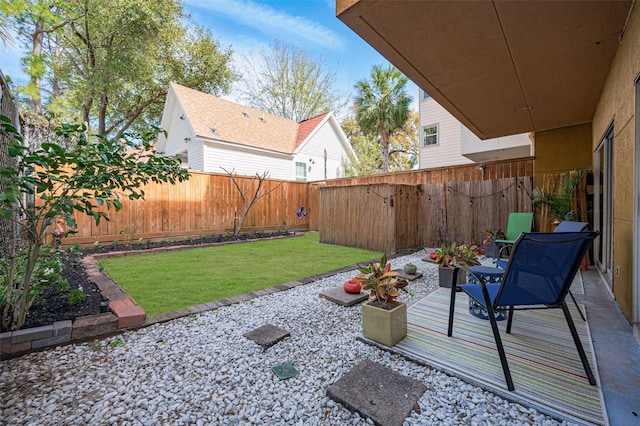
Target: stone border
(20, 342)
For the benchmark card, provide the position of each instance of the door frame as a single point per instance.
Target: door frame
(636, 217)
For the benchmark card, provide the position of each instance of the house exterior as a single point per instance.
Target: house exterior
(444, 141)
(569, 72)
(210, 133)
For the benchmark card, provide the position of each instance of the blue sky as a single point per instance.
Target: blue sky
(251, 26)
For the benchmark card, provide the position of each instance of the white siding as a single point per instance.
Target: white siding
(312, 153)
(178, 130)
(447, 152)
(195, 154)
(247, 162)
(513, 146)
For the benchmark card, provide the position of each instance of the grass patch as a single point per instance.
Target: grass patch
(165, 282)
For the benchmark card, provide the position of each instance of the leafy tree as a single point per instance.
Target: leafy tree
(382, 106)
(96, 172)
(367, 159)
(289, 83)
(35, 21)
(404, 145)
(110, 64)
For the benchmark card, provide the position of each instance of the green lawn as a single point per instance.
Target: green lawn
(165, 282)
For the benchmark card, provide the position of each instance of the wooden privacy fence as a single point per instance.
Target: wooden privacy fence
(389, 217)
(502, 169)
(206, 203)
(209, 203)
(8, 108)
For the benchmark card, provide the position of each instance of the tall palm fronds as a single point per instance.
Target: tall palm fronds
(559, 201)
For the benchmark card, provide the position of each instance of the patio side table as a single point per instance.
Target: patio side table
(492, 275)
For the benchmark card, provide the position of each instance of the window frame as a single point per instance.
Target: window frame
(301, 165)
(423, 135)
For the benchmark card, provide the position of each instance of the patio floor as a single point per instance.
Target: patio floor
(475, 358)
(617, 352)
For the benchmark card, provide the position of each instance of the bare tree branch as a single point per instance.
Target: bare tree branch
(248, 202)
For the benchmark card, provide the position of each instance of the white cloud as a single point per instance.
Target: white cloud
(272, 22)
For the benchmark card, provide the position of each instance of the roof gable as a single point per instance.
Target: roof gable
(236, 123)
(308, 126)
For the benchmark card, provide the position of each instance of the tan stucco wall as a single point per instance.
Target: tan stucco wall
(560, 150)
(617, 104)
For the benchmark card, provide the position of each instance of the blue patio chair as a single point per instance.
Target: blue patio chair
(570, 226)
(538, 276)
(564, 226)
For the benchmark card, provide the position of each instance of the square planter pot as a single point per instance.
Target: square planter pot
(384, 326)
(491, 250)
(445, 276)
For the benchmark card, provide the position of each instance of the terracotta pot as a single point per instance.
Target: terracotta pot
(352, 286)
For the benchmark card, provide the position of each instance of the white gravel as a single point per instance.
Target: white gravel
(200, 370)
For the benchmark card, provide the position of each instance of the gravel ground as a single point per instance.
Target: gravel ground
(200, 370)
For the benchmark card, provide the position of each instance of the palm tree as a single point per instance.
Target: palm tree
(382, 106)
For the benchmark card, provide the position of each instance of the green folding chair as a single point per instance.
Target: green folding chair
(517, 224)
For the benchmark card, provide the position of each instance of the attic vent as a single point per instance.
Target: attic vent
(245, 113)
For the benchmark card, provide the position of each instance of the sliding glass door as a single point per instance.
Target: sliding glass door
(603, 204)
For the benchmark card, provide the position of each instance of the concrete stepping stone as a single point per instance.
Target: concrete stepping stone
(377, 392)
(341, 297)
(267, 335)
(409, 277)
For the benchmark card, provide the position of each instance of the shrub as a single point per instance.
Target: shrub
(76, 296)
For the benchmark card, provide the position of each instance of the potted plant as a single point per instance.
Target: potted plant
(559, 201)
(384, 319)
(488, 241)
(451, 255)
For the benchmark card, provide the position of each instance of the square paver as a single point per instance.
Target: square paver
(409, 277)
(341, 297)
(377, 392)
(267, 335)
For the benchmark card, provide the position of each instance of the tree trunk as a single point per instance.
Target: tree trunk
(35, 103)
(384, 149)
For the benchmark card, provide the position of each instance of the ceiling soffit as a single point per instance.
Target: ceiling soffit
(500, 67)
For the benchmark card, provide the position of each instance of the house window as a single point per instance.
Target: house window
(301, 171)
(430, 135)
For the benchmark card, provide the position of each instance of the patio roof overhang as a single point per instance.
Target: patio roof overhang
(500, 67)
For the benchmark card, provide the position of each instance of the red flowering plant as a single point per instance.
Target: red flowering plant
(382, 282)
(452, 255)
